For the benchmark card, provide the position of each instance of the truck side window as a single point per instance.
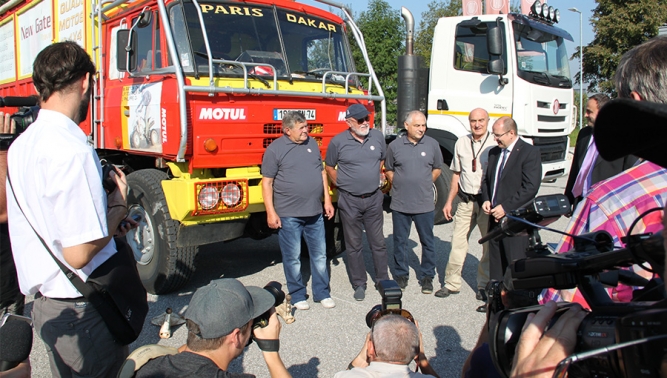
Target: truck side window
(470, 49)
(148, 45)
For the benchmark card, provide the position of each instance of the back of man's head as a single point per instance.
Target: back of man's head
(395, 339)
(644, 70)
(59, 66)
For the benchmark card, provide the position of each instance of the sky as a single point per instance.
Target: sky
(569, 20)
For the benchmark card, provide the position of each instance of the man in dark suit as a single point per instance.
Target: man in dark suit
(511, 180)
(588, 168)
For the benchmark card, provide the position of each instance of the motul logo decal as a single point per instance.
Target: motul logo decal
(221, 114)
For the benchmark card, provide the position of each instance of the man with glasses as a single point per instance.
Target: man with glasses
(470, 161)
(511, 180)
(413, 163)
(354, 162)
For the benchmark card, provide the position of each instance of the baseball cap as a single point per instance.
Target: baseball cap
(356, 111)
(626, 126)
(224, 305)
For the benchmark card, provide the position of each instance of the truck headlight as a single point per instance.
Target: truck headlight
(208, 197)
(231, 195)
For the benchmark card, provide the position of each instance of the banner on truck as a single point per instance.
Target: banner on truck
(71, 21)
(34, 31)
(7, 52)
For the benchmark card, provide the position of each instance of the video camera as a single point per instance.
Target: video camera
(391, 303)
(615, 339)
(24, 117)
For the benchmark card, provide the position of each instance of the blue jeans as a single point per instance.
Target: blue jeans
(424, 226)
(289, 237)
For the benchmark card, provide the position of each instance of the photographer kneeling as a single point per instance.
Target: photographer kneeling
(220, 325)
(390, 346)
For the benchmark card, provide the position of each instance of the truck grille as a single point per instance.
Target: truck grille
(551, 148)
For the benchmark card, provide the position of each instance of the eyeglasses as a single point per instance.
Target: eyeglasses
(363, 120)
(501, 135)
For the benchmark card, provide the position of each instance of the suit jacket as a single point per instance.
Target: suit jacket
(520, 179)
(602, 169)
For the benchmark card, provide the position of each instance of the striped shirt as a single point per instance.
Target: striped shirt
(612, 205)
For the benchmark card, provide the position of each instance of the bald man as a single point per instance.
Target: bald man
(470, 160)
(512, 179)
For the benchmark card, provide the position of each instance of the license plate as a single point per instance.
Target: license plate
(278, 114)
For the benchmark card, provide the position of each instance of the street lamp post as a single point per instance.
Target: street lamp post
(581, 65)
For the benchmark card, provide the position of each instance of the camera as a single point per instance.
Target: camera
(275, 288)
(108, 183)
(391, 303)
(24, 117)
(614, 339)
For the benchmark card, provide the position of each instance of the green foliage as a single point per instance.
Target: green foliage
(424, 34)
(384, 35)
(583, 104)
(619, 25)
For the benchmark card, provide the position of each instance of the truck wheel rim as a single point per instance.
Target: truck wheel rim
(141, 239)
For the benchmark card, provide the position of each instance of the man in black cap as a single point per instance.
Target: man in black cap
(220, 324)
(353, 163)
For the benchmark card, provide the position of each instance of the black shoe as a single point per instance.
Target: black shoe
(481, 295)
(360, 293)
(427, 285)
(481, 308)
(402, 282)
(445, 292)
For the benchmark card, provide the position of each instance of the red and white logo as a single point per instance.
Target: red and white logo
(556, 107)
(221, 114)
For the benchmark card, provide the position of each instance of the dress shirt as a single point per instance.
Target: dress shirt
(58, 181)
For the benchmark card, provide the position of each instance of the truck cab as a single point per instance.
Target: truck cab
(511, 65)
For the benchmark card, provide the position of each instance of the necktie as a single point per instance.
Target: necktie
(499, 175)
(583, 181)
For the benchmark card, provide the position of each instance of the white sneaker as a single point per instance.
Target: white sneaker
(303, 305)
(328, 303)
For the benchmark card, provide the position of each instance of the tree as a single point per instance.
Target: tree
(619, 25)
(424, 35)
(384, 34)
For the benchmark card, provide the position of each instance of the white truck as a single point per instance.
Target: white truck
(511, 65)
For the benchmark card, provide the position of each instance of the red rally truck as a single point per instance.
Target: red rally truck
(188, 95)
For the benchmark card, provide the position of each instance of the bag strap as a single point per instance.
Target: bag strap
(76, 281)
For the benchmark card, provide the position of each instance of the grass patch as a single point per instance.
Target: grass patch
(573, 136)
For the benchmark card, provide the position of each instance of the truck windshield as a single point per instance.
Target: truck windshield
(541, 57)
(295, 44)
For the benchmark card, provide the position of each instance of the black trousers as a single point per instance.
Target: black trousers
(502, 253)
(359, 214)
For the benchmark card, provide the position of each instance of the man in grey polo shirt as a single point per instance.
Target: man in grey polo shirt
(413, 163)
(293, 185)
(359, 154)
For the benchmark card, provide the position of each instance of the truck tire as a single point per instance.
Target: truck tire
(334, 235)
(440, 192)
(162, 266)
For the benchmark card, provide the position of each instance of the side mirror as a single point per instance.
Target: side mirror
(494, 40)
(126, 48)
(496, 66)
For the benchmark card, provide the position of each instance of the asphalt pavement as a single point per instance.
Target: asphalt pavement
(322, 341)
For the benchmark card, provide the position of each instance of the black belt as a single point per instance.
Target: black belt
(465, 197)
(69, 300)
(359, 195)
